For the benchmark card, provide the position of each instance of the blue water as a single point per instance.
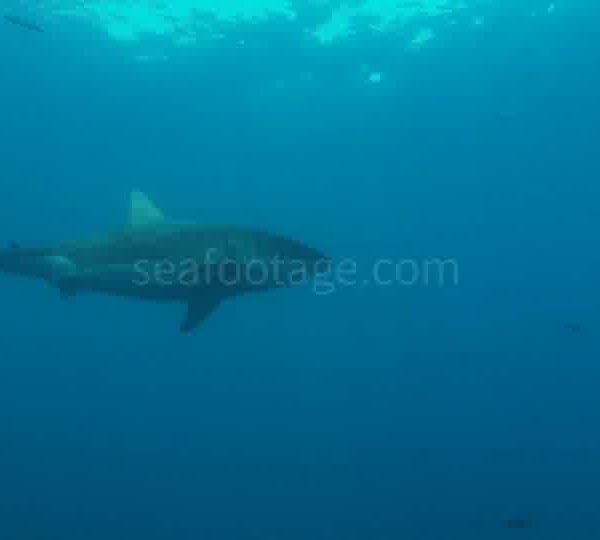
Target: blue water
(374, 412)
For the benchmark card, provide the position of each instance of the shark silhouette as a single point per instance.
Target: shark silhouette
(155, 259)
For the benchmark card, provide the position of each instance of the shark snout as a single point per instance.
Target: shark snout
(316, 261)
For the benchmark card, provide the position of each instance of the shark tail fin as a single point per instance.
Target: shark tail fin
(143, 211)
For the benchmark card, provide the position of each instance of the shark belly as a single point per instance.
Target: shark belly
(122, 280)
(166, 282)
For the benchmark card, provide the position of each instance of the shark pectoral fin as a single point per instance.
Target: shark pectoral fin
(143, 211)
(198, 310)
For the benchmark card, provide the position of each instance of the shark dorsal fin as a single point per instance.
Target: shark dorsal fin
(143, 211)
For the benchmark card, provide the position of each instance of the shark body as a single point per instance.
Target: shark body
(158, 260)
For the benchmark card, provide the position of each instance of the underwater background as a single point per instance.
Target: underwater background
(459, 410)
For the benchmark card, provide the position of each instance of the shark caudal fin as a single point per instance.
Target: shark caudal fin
(143, 211)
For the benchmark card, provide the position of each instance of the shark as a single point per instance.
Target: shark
(156, 259)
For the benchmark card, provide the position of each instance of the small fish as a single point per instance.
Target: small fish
(522, 523)
(508, 115)
(574, 327)
(23, 23)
